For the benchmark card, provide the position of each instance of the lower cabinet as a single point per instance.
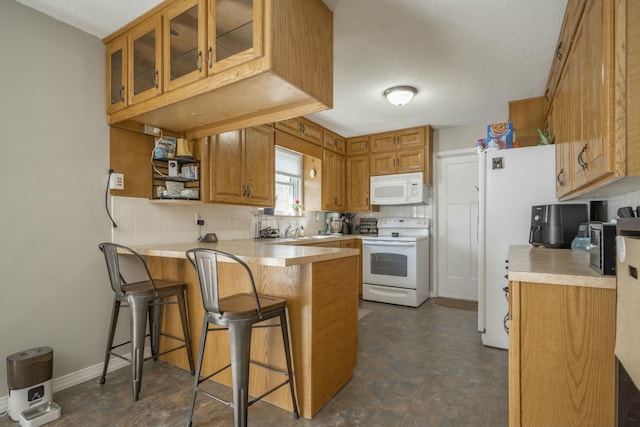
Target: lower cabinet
(354, 243)
(561, 355)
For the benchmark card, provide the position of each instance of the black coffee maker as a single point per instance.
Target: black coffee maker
(555, 226)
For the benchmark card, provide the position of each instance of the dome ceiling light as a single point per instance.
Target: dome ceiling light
(400, 95)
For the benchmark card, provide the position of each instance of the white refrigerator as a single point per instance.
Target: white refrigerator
(511, 181)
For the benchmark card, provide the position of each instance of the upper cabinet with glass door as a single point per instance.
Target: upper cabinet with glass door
(145, 59)
(202, 67)
(203, 37)
(117, 74)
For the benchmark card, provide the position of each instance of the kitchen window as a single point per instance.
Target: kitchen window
(288, 179)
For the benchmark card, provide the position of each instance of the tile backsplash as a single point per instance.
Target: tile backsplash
(627, 199)
(141, 222)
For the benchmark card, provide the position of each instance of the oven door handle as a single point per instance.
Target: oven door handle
(386, 243)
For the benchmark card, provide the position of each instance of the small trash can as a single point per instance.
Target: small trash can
(29, 379)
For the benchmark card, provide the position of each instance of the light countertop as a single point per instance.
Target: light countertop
(556, 267)
(276, 252)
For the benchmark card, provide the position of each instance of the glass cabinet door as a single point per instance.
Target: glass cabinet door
(116, 74)
(235, 32)
(184, 27)
(145, 60)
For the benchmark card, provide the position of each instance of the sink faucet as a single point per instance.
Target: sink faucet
(293, 232)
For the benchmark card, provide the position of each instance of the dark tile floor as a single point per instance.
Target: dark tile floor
(417, 367)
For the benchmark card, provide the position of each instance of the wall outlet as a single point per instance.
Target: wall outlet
(117, 181)
(199, 220)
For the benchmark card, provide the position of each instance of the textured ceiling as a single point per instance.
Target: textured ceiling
(467, 58)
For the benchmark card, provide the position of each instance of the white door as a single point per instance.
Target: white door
(457, 225)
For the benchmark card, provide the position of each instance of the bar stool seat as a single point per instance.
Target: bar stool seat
(238, 314)
(144, 298)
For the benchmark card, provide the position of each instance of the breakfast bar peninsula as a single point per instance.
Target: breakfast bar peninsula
(321, 289)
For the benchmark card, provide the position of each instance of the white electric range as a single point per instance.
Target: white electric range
(395, 263)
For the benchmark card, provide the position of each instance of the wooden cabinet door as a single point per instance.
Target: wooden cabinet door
(357, 183)
(145, 59)
(333, 181)
(234, 33)
(184, 32)
(302, 128)
(383, 142)
(410, 138)
(410, 160)
(226, 168)
(259, 166)
(561, 355)
(334, 142)
(383, 163)
(340, 182)
(117, 69)
(598, 36)
(358, 145)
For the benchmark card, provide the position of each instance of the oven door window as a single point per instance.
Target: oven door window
(389, 264)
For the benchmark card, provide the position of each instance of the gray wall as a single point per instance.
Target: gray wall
(55, 151)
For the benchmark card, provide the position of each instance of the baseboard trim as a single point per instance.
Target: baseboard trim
(80, 376)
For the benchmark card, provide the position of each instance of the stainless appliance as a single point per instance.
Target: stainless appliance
(555, 226)
(395, 263)
(602, 252)
(398, 189)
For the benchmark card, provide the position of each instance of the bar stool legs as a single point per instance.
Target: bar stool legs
(240, 348)
(141, 307)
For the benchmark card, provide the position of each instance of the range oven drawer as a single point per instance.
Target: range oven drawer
(390, 295)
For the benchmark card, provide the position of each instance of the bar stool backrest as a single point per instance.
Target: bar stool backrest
(110, 251)
(205, 261)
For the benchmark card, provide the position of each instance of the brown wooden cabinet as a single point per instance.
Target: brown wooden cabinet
(561, 355)
(235, 63)
(117, 84)
(302, 128)
(145, 59)
(403, 151)
(527, 116)
(242, 167)
(358, 145)
(333, 181)
(353, 243)
(357, 183)
(597, 97)
(334, 142)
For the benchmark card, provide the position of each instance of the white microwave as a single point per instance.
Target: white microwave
(399, 189)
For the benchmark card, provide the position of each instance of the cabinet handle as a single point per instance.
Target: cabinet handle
(559, 52)
(581, 162)
(546, 94)
(210, 57)
(366, 201)
(244, 190)
(248, 190)
(366, 144)
(304, 129)
(122, 93)
(199, 61)
(155, 79)
(559, 179)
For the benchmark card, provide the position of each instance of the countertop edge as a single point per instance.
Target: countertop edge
(555, 267)
(252, 251)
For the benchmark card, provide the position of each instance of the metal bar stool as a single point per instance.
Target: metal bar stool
(144, 297)
(238, 314)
